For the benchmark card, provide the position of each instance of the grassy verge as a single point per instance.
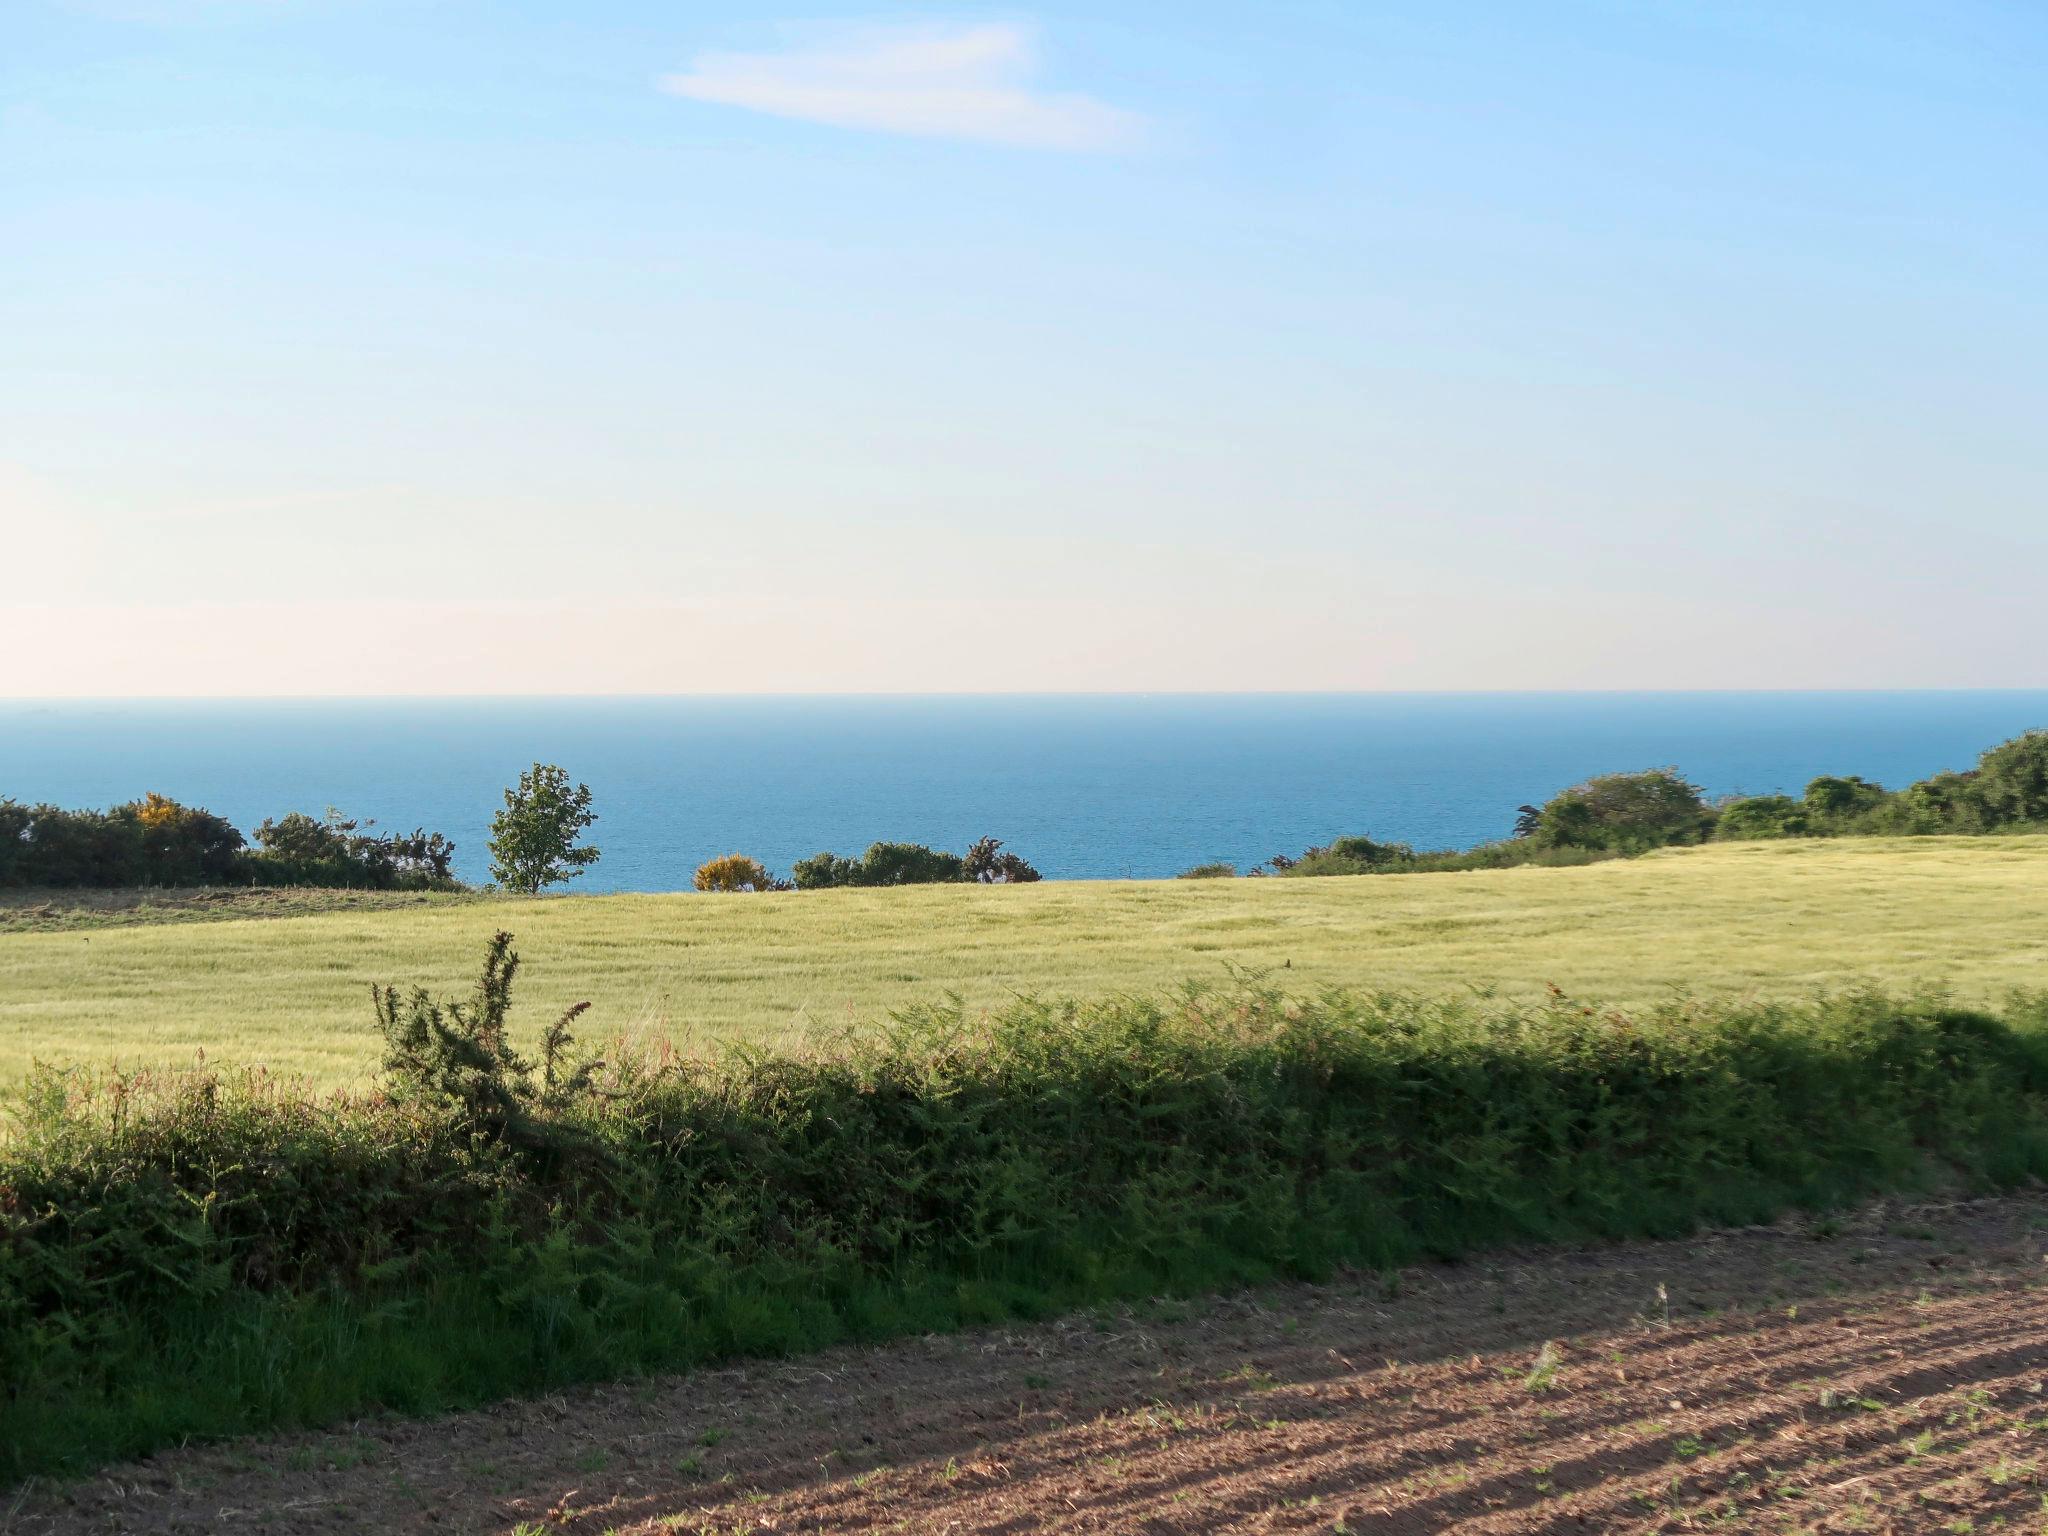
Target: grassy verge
(198, 1255)
(1770, 920)
(69, 911)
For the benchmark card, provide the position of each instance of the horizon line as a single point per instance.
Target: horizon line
(12, 700)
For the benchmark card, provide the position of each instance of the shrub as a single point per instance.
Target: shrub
(334, 850)
(736, 872)
(181, 845)
(2010, 785)
(1626, 812)
(156, 841)
(913, 864)
(456, 1058)
(151, 841)
(1761, 816)
(15, 821)
(988, 863)
(1351, 856)
(533, 839)
(1209, 872)
(203, 1254)
(1839, 800)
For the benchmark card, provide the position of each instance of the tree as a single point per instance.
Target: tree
(533, 839)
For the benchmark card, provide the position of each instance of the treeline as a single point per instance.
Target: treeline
(197, 1255)
(1618, 815)
(986, 862)
(155, 841)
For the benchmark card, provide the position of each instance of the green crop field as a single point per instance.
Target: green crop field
(1759, 919)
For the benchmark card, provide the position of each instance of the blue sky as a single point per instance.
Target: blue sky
(368, 346)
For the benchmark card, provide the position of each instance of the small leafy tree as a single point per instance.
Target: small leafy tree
(736, 872)
(533, 839)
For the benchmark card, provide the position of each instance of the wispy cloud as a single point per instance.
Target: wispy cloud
(938, 81)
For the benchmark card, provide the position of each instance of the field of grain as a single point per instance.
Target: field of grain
(1758, 919)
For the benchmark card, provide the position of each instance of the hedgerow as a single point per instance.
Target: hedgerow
(205, 1253)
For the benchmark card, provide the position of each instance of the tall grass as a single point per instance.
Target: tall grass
(201, 1254)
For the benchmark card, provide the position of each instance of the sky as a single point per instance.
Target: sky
(441, 346)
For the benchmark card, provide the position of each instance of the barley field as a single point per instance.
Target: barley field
(1759, 919)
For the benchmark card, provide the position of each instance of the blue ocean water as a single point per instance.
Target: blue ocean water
(1087, 787)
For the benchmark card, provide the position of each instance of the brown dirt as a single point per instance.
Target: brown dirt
(1884, 1373)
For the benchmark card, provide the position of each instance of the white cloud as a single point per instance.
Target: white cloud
(955, 82)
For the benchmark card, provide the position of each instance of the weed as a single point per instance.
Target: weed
(1542, 1374)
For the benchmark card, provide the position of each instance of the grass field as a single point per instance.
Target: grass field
(1765, 919)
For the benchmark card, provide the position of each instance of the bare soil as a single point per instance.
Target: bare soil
(1886, 1372)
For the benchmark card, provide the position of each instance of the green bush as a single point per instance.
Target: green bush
(334, 850)
(986, 862)
(202, 1254)
(1350, 856)
(1626, 812)
(2010, 785)
(1209, 872)
(1837, 800)
(1759, 816)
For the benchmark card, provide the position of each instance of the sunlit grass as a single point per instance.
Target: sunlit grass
(1764, 919)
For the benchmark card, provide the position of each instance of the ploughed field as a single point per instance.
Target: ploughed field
(1880, 1372)
(107, 980)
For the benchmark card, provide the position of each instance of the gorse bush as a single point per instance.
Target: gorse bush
(732, 872)
(988, 862)
(201, 1254)
(457, 1058)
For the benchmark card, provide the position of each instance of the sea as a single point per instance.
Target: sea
(1087, 787)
